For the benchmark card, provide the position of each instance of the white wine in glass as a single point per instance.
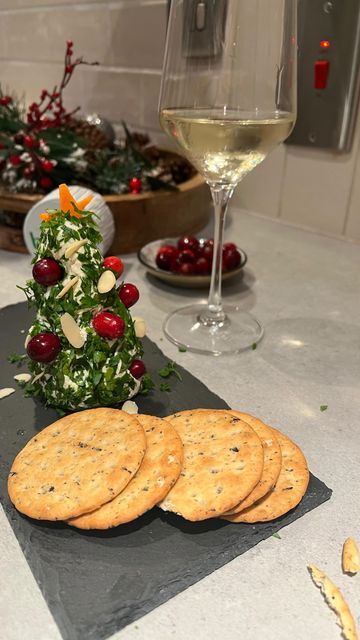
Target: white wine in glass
(228, 98)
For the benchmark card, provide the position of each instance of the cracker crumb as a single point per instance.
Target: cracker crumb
(350, 557)
(335, 600)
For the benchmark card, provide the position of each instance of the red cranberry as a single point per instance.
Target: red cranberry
(229, 246)
(114, 264)
(188, 242)
(47, 166)
(175, 265)
(19, 138)
(129, 294)
(44, 347)
(47, 272)
(187, 269)
(45, 182)
(231, 260)
(202, 266)
(165, 256)
(187, 256)
(15, 160)
(108, 325)
(135, 185)
(30, 142)
(137, 369)
(5, 100)
(207, 250)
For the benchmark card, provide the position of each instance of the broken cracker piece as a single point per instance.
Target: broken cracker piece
(350, 557)
(336, 602)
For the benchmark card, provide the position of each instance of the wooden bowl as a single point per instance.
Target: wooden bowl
(139, 219)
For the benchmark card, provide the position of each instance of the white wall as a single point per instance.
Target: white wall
(301, 186)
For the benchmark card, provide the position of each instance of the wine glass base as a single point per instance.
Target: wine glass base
(238, 332)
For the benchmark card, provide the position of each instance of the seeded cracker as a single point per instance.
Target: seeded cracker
(272, 461)
(289, 489)
(223, 461)
(156, 475)
(336, 602)
(76, 464)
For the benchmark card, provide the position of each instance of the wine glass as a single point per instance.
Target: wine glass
(228, 98)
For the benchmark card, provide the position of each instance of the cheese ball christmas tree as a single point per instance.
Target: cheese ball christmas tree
(83, 349)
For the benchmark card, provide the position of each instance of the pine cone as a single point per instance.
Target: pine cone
(181, 170)
(139, 140)
(94, 138)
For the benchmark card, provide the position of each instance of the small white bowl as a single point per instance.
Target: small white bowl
(147, 257)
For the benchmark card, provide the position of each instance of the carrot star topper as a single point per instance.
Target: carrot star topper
(68, 204)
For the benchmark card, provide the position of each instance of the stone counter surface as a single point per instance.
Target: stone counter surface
(305, 289)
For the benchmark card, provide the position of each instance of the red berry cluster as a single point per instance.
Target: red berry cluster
(194, 257)
(45, 347)
(26, 153)
(49, 111)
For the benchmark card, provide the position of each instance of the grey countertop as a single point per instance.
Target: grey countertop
(305, 290)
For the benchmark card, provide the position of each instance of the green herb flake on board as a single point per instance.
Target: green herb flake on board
(13, 358)
(168, 370)
(165, 386)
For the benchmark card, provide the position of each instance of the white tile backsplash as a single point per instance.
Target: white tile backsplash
(302, 186)
(316, 188)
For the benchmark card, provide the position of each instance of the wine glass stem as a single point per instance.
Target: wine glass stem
(214, 315)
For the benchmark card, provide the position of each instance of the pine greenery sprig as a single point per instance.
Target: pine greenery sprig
(41, 148)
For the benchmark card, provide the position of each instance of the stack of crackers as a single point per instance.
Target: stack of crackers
(104, 467)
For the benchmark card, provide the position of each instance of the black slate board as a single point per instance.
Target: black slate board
(96, 583)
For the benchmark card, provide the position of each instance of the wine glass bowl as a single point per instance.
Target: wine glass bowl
(228, 98)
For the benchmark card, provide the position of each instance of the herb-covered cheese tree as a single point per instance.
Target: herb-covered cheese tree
(83, 348)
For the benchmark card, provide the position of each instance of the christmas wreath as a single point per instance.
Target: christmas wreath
(46, 145)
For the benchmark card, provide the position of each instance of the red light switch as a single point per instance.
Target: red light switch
(321, 74)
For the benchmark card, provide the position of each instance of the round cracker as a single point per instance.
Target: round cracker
(76, 464)
(223, 461)
(289, 489)
(156, 475)
(272, 461)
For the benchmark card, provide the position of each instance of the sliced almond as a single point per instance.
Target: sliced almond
(67, 287)
(139, 326)
(350, 557)
(7, 391)
(71, 331)
(37, 377)
(27, 340)
(22, 377)
(74, 247)
(107, 281)
(130, 407)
